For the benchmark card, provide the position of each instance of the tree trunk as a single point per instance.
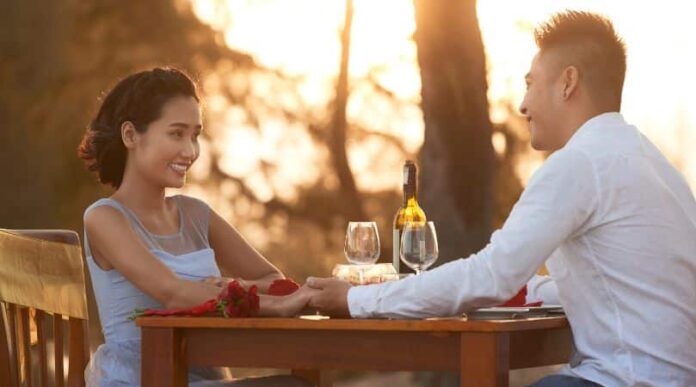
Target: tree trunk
(457, 158)
(337, 140)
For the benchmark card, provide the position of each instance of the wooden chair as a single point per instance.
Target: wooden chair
(42, 288)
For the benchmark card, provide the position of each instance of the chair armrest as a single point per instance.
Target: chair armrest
(62, 236)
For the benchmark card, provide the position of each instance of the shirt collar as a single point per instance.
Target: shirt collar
(599, 121)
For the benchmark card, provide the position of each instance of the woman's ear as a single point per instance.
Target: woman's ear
(128, 134)
(570, 79)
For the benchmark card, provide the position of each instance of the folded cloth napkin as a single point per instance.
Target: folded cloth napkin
(520, 299)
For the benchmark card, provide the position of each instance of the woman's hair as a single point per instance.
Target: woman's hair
(138, 98)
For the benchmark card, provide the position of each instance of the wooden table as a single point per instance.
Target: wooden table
(481, 351)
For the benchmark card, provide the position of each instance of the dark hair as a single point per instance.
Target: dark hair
(590, 43)
(138, 98)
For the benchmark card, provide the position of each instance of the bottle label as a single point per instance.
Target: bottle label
(396, 241)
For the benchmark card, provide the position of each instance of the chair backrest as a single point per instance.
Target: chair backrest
(42, 297)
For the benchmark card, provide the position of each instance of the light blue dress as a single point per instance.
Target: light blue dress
(116, 363)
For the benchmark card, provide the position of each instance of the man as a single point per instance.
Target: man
(616, 221)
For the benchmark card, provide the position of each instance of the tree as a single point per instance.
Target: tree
(337, 143)
(50, 78)
(457, 157)
(460, 170)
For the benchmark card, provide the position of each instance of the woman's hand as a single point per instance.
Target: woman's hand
(277, 306)
(222, 282)
(286, 306)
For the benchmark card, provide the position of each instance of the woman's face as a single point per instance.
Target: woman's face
(167, 149)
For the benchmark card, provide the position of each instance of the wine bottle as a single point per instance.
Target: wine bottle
(410, 211)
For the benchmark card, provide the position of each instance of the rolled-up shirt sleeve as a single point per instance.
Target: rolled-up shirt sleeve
(558, 202)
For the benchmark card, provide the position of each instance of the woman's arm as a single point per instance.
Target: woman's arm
(237, 258)
(113, 241)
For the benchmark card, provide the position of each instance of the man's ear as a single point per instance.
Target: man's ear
(570, 78)
(128, 134)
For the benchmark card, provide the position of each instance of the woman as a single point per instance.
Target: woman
(147, 250)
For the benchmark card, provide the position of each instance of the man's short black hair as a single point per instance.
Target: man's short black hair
(589, 42)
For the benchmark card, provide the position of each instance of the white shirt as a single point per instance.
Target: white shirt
(618, 225)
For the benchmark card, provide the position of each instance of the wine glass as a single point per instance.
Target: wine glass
(419, 245)
(362, 243)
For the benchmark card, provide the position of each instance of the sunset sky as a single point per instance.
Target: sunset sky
(300, 37)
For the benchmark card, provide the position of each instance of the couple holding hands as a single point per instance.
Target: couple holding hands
(612, 219)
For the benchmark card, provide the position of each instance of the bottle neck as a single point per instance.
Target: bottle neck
(410, 184)
(410, 196)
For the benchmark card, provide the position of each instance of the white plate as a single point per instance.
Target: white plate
(521, 309)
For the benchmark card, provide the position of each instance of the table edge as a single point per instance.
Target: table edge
(447, 325)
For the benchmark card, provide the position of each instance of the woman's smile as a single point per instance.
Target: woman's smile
(180, 168)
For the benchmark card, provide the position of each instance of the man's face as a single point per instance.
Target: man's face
(542, 102)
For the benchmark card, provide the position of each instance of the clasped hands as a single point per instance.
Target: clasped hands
(328, 296)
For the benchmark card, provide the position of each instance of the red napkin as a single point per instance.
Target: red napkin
(520, 299)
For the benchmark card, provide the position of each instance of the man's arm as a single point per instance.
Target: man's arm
(557, 204)
(542, 288)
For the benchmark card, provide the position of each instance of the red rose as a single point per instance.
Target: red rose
(235, 290)
(240, 303)
(254, 300)
(224, 293)
(231, 310)
(233, 301)
(283, 287)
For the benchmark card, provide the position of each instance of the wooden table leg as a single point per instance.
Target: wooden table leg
(163, 358)
(317, 377)
(485, 359)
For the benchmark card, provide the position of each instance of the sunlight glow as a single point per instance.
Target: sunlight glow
(301, 37)
(660, 63)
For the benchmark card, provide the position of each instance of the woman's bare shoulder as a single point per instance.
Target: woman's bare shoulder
(103, 213)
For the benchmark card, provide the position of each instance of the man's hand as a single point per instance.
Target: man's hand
(332, 297)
